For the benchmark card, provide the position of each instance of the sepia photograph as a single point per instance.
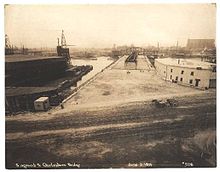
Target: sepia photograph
(129, 85)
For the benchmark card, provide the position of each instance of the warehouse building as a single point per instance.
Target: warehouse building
(187, 72)
(27, 70)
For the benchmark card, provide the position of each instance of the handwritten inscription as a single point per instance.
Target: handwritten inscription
(141, 164)
(188, 164)
(47, 165)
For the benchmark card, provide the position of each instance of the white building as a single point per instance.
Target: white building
(187, 72)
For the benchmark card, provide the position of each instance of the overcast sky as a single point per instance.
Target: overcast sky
(105, 25)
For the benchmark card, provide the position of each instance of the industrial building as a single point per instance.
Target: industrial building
(30, 77)
(200, 43)
(187, 72)
(23, 70)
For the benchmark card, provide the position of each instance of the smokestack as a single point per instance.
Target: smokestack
(58, 41)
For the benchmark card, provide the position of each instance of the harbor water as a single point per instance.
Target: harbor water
(98, 65)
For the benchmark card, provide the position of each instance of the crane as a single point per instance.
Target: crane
(7, 42)
(63, 41)
(62, 49)
(8, 46)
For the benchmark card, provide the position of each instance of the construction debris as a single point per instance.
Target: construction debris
(165, 103)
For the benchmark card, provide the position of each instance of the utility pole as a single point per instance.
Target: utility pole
(158, 48)
(176, 46)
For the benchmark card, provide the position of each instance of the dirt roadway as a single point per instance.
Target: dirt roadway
(132, 136)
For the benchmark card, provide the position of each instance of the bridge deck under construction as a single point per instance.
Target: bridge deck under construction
(132, 57)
